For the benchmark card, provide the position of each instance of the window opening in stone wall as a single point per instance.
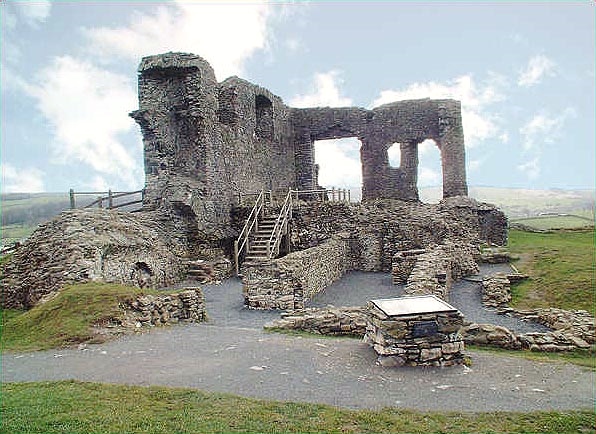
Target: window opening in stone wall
(264, 117)
(394, 154)
(339, 165)
(430, 172)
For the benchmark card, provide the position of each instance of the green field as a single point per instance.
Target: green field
(560, 266)
(75, 407)
(558, 221)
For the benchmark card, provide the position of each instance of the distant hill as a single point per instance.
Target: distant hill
(517, 202)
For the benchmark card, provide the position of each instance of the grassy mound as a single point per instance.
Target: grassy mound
(67, 319)
(77, 407)
(561, 269)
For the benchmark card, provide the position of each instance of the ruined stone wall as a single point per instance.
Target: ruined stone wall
(380, 229)
(438, 267)
(405, 122)
(288, 282)
(205, 142)
(145, 249)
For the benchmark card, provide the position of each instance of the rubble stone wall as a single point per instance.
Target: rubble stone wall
(154, 310)
(336, 321)
(496, 290)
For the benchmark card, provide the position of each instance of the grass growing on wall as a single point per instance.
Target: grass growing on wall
(76, 407)
(67, 319)
(561, 269)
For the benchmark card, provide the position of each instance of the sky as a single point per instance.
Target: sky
(523, 71)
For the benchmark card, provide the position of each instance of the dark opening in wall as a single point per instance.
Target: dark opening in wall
(264, 116)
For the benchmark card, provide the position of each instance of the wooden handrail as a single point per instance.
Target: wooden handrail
(280, 226)
(251, 223)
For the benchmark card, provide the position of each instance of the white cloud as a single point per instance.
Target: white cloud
(87, 108)
(394, 154)
(325, 92)
(339, 162)
(21, 180)
(34, 12)
(427, 147)
(531, 168)
(225, 33)
(428, 177)
(537, 68)
(543, 129)
(479, 124)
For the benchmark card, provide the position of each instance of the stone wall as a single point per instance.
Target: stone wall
(405, 122)
(496, 290)
(205, 142)
(187, 305)
(336, 321)
(141, 249)
(288, 282)
(437, 268)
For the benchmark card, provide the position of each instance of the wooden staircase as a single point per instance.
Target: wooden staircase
(262, 235)
(259, 240)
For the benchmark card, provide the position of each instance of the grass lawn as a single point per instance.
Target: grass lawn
(75, 407)
(561, 269)
(67, 319)
(556, 222)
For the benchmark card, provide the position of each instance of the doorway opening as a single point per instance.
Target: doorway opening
(430, 172)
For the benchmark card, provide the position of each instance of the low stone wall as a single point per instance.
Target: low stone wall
(573, 323)
(438, 267)
(496, 290)
(288, 282)
(350, 321)
(155, 310)
(553, 341)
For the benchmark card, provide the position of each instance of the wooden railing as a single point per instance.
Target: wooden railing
(251, 225)
(280, 228)
(107, 197)
(324, 194)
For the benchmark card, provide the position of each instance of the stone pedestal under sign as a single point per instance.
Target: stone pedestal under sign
(416, 330)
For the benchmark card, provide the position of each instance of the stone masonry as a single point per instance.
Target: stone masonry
(205, 142)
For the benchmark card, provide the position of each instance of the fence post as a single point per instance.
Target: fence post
(72, 199)
(100, 202)
(349, 198)
(110, 199)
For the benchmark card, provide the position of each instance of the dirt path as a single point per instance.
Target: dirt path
(340, 372)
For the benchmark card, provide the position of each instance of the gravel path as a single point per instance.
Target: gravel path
(231, 353)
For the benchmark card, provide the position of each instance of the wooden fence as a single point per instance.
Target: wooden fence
(107, 199)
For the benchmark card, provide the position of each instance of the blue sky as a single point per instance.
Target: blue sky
(523, 71)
